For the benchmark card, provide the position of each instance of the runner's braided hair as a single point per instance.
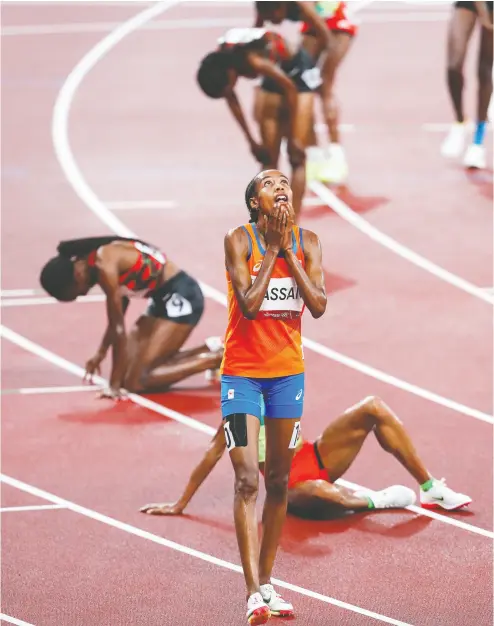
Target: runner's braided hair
(58, 273)
(250, 192)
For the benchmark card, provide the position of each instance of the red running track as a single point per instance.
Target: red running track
(133, 142)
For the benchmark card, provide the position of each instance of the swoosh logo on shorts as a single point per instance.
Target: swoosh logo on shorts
(299, 395)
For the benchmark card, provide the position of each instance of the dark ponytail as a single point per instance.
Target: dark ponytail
(57, 276)
(82, 247)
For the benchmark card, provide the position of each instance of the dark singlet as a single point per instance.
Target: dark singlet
(144, 276)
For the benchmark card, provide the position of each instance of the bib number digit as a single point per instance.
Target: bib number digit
(230, 442)
(295, 436)
(312, 78)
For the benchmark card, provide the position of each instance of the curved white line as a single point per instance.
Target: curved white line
(60, 137)
(344, 211)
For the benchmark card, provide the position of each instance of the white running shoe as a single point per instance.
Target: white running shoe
(277, 605)
(395, 497)
(335, 168)
(216, 345)
(475, 157)
(257, 610)
(440, 496)
(454, 144)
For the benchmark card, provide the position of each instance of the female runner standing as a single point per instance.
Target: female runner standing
(274, 270)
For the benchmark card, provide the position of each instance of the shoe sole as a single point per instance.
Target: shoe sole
(285, 614)
(259, 616)
(434, 506)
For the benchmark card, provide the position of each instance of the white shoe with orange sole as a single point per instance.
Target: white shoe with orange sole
(440, 496)
(277, 605)
(257, 610)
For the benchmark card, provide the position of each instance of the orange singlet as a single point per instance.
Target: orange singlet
(269, 346)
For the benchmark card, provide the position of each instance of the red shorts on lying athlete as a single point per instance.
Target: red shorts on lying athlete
(306, 466)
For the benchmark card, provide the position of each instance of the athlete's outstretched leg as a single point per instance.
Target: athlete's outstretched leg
(342, 440)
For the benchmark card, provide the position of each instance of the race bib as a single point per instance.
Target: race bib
(282, 295)
(312, 78)
(295, 436)
(177, 306)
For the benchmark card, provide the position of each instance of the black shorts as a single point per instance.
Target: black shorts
(303, 72)
(179, 300)
(470, 6)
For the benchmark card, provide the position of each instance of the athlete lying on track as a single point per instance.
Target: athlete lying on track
(316, 466)
(149, 357)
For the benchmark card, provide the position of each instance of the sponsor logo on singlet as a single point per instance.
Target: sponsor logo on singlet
(155, 254)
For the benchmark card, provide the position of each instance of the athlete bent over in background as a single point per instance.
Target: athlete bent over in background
(149, 357)
(329, 52)
(274, 270)
(315, 466)
(464, 17)
(286, 105)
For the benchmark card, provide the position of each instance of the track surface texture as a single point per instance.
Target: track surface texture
(130, 126)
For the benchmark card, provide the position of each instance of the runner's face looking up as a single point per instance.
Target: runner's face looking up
(273, 191)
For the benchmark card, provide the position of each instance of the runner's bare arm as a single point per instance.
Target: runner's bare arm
(250, 295)
(199, 474)
(106, 342)
(310, 280)
(237, 112)
(108, 276)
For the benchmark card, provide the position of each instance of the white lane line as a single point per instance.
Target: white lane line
(396, 382)
(345, 212)
(34, 507)
(27, 30)
(137, 205)
(105, 27)
(68, 164)
(13, 302)
(13, 620)
(17, 293)
(347, 361)
(178, 547)
(30, 391)
(190, 422)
